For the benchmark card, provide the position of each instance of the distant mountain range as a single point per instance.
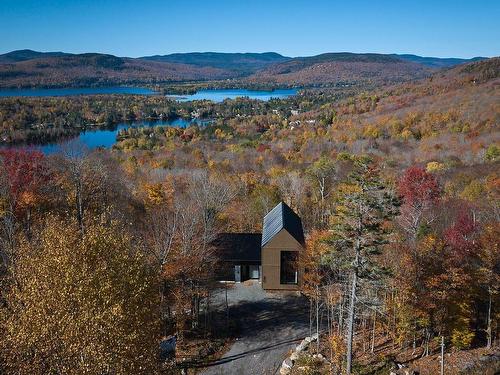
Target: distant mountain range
(438, 62)
(27, 68)
(341, 68)
(27, 54)
(240, 63)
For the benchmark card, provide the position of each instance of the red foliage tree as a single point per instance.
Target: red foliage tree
(24, 173)
(420, 191)
(460, 235)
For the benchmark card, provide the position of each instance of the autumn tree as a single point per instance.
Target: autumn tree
(313, 279)
(80, 303)
(23, 177)
(181, 234)
(489, 275)
(420, 192)
(86, 181)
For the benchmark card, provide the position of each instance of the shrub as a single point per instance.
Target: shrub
(461, 338)
(492, 153)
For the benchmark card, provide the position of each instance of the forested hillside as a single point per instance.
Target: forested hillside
(437, 62)
(342, 68)
(398, 189)
(26, 68)
(98, 70)
(27, 54)
(240, 63)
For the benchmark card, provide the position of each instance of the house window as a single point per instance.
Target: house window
(288, 267)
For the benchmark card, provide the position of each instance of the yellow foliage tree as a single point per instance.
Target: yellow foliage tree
(434, 166)
(79, 304)
(372, 131)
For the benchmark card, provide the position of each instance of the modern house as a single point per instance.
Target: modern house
(271, 257)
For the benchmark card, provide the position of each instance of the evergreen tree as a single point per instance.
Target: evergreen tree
(364, 205)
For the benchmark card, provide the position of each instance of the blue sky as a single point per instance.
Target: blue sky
(442, 28)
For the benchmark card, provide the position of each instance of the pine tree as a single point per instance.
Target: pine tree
(363, 207)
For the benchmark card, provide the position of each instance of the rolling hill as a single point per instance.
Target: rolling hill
(92, 69)
(437, 62)
(27, 68)
(239, 63)
(28, 54)
(343, 68)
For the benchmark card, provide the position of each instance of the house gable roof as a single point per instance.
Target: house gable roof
(282, 217)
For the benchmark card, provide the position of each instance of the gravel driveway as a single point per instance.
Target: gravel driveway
(270, 325)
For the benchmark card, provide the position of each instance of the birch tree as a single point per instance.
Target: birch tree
(322, 174)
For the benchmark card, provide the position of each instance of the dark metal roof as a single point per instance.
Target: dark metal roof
(282, 217)
(233, 247)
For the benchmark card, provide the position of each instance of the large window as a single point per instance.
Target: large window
(288, 267)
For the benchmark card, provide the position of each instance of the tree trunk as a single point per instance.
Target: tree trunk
(488, 329)
(328, 319)
(79, 205)
(414, 337)
(317, 322)
(310, 317)
(350, 321)
(373, 331)
(341, 313)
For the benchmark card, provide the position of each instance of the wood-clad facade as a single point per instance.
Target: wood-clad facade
(273, 267)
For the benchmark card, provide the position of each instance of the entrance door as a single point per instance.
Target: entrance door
(254, 272)
(237, 273)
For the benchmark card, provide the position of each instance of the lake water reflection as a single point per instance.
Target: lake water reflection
(107, 137)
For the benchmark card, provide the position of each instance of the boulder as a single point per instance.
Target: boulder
(286, 367)
(302, 346)
(287, 363)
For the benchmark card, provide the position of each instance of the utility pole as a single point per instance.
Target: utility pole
(442, 355)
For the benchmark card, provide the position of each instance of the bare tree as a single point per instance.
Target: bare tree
(292, 188)
(211, 194)
(323, 173)
(85, 178)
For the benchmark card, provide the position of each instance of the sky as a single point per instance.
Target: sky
(441, 28)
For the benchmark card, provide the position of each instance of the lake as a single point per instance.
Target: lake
(213, 95)
(107, 137)
(221, 95)
(77, 91)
